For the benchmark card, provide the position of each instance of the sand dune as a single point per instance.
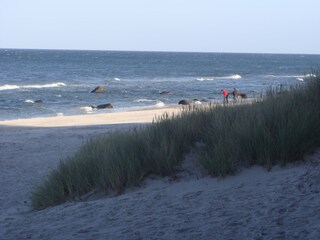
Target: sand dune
(256, 204)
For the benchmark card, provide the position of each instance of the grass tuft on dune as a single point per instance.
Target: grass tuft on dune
(279, 129)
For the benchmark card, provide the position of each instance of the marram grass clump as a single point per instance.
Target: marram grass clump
(119, 160)
(277, 130)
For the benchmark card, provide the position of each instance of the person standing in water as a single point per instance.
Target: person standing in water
(225, 95)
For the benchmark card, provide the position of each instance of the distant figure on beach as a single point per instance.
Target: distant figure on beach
(234, 93)
(225, 95)
(237, 94)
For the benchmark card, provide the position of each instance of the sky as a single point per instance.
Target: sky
(244, 26)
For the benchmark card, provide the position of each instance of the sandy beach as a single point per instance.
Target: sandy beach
(255, 204)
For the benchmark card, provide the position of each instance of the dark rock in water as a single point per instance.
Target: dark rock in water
(164, 92)
(183, 102)
(38, 101)
(98, 89)
(103, 106)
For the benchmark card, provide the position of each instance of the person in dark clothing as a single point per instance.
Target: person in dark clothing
(237, 94)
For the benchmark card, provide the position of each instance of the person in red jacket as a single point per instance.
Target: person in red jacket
(225, 95)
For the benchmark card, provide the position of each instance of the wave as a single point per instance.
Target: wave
(8, 87)
(196, 102)
(28, 101)
(87, 109)
(310, 75)
(116, 79)
(205, 79)
(291, 76)
(49, 85)
(143, 100)
(159, 104)
(235, 76)
(298, 77)
(284, 76)
(306, 76)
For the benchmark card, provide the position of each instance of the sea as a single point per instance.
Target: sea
(43, 83)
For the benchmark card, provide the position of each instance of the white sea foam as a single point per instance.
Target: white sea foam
(49, 85)
(87, 109)
(28, 101)
(286, 76)
(205, 79)
(235, 76)
(196, 102)
(159, 104)
(298, 77)
(309, 75)
(116, 79)
(8, 87)
(143, 100)
(60, 114)
(302, 78)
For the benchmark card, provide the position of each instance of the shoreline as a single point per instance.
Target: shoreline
(135, 116)
(144, 115)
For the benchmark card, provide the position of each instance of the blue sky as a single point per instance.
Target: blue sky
(255, 26)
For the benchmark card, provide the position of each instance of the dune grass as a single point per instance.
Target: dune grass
(277, 130)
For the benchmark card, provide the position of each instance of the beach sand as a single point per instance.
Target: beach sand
(255, 204)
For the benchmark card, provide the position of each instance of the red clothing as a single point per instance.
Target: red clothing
(224, 92)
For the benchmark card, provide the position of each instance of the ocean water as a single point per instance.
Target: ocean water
(63, 80)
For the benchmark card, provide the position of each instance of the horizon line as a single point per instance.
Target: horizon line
(158, 51)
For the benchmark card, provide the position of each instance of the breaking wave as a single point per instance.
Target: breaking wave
(87, 109)
(49, 85)
(205, 79)
(8, 87)
(143, 100)
(159, 104)
(235, 76)
(298, 77)
(310, 75)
